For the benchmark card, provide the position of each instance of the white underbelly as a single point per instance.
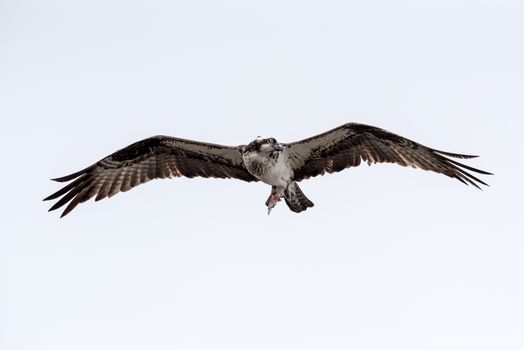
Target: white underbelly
(277, 175)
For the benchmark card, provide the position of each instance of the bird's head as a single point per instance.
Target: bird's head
(265, 147)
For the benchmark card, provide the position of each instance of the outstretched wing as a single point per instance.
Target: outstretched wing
(349, 144)
(156, 157)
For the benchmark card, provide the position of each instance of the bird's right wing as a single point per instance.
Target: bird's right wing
(350, 144)
(152, 158)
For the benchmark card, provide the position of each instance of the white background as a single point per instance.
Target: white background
(389, 257)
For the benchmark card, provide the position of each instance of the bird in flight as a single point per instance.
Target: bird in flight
(280, 165)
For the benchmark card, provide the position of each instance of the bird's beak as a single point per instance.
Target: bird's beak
(277, 149)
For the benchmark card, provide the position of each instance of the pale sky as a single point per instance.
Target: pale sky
(389, 257)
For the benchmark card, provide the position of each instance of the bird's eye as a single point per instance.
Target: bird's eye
(272, 140)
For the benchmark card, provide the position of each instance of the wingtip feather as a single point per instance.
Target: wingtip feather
(72, 176)
(64, 213)
(54, 207)
(456, 155)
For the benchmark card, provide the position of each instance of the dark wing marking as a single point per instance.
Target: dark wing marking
(153, 158)
(349, 144)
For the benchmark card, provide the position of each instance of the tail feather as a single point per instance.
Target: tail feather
(295, 198)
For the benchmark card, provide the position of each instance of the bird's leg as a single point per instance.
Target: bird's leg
(274, 198)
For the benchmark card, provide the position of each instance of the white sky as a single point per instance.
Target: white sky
(389, 257)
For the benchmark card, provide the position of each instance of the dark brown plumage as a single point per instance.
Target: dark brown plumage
(350, 144)
(280, 165)
(157, 157)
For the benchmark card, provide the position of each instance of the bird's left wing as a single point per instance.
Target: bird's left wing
(350, 144)
(152, 158)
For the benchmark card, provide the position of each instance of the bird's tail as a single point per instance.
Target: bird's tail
(295, 198)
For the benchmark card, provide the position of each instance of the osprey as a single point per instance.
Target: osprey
(280, 165)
